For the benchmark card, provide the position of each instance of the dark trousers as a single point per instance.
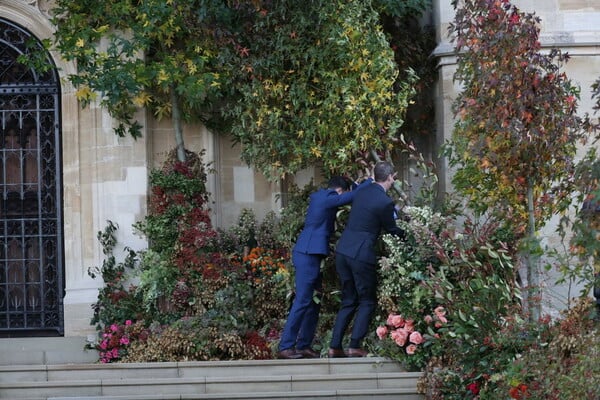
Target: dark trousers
(301, 324)
(359, 300)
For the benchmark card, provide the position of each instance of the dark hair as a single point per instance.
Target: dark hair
(382, 170)
(339, 182)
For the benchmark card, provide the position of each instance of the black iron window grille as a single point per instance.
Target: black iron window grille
(31, 241)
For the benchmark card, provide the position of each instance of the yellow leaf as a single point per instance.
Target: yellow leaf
(141, 99)
(85, 93)
(101, 29)
(162, 76)
(191, 66)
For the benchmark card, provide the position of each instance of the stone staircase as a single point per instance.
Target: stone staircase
(60, 369)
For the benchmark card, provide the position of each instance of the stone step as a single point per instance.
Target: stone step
(369, 394)
(46, 350)
(399, 383)
(36, 373)
(196, 369)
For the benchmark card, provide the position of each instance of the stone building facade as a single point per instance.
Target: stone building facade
(104, 177)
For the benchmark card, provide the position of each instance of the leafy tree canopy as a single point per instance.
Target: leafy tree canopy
(517, 130)
(296, 83)
(139, 53)
(318, 87)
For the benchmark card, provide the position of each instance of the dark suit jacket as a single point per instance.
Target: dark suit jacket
(319, 222)
(372, 212)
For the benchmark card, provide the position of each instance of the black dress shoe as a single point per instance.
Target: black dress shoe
(336, 353)
(289, 354)
(308, 353)
(357, 352)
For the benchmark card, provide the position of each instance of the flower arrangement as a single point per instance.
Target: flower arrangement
(263, 264)
(116, 340)
(404, 339)
(402, 332)
(113, 343)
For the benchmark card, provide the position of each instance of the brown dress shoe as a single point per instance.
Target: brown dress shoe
(336, 353)
(357, 352)
(289, 354)
(309, 353)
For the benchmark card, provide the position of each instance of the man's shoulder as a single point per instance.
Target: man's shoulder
(372, 190)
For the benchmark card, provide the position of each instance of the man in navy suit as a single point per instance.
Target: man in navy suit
(311, 248)
(356, 261)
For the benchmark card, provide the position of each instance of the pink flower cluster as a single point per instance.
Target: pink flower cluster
(438, 318)
(402, 332)
(113, 340)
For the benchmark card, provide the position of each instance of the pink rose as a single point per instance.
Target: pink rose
(394, 320)
(103, 345)
(411, 348)
(399, 336)
(382, 331)
(442, 319)
(415, 338)
(428, 319)
(409, 325)
(389, 320)
(439, 310)
(114, 327)
(397, 321)
(128, 322)
(125, 340)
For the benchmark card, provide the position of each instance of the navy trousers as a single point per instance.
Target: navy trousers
(301, 324)
(359, 300)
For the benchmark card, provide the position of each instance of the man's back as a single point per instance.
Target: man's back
(372, 211)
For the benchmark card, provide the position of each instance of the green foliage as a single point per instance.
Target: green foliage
(564, 366)
(141, 55)
(294, 82)
(245, 229)
(318, 87)
(177, 227)
(292, 215)
(236, 301)
(402, 8)
(268, 232)
(453, 285)
(36, 55)
(117, 300)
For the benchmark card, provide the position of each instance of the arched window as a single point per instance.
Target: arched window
(31, 221)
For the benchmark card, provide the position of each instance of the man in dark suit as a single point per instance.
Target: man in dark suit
(311, 248)
(356, 261)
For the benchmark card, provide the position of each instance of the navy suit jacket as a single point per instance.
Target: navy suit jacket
(319, 222)
(372, 212)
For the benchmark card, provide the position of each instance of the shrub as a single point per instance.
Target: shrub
(562, 366)
(118, 300)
